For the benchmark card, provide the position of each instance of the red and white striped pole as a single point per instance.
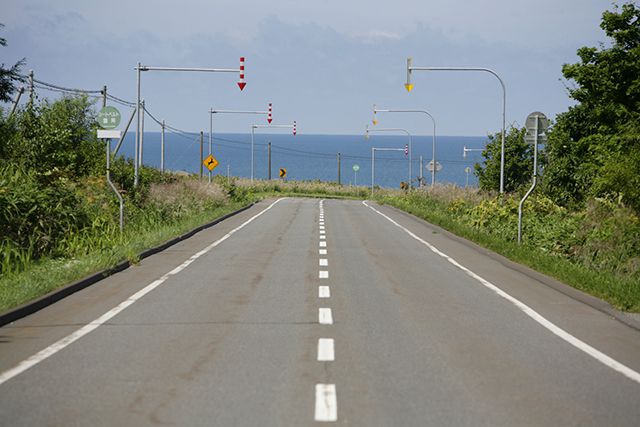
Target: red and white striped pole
(269, 118)
(406, 149)
(295, 129)
(241, 82)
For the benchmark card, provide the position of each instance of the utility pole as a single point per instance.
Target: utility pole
(104, 96)
(201, 152)
(269, 157)
(31, 92)
(162, 149)
(15, 102)
(339, 181)
(141, 135)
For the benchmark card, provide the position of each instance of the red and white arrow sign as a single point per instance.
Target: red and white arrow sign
(406, 149)
(241, 82)
(269, 118)
(295, 128)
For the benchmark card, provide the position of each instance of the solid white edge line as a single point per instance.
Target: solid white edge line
(74, 336)
(324, 292)
(556, 330)
(326, 403)
(326, 350)
(324, 316)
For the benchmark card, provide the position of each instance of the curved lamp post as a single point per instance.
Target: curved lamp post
(366, 135)
(433, 154)
(409, 87)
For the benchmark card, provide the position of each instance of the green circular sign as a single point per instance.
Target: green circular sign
(356, 168)
(109, 118)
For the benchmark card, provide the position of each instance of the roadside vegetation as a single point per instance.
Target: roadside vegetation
(59, 220)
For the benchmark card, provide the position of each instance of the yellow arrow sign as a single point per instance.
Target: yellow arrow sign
(211, 163)
(283, 172)
(408, 87)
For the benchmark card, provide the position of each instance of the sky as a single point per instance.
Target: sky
(323, 63)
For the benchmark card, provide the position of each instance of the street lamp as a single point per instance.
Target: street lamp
(373, 162)
(393, 130)
(433, 154)
(293, 126)
(212, 112)
(139, 68)
(409, 87)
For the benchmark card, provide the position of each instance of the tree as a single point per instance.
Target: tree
(594, 143)
(518, 162)
(9, 76)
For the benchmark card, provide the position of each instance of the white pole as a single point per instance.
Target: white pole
(162, 149)
(252, 136)
(136, 154)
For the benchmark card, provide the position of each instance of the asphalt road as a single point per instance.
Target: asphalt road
(302, 312)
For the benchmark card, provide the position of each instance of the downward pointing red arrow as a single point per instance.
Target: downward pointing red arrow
(241, 85)
(269, 120)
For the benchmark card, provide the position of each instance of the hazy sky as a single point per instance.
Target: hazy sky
(322, 62)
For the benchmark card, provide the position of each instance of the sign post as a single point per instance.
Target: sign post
(356, 168)
(536, 125)
(109, 119)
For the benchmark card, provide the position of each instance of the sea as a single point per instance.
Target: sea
(315, 157)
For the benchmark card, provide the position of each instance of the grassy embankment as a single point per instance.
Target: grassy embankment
(596, 250)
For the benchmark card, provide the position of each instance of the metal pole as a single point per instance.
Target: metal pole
(136, 154)
(252, 136)
(15, 103)
(339, 177)
(31, 91)
(533, 185)
(133, 113)
(421, 171)
(373, 167)
(410, 68)
(162, 149)
(113, 187)
(269, 162)
(201, 153)
(410, 150)
(143, 112)
(210, 137)
(228, 172)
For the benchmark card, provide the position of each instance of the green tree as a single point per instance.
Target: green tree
(595, 143)
(8, 76)
(518, 164)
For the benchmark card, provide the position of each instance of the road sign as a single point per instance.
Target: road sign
(211, 163)
(283, 172)
(108, 134)
(541, 125)
(241, 82)
(356, 168)
(429, 166)
(109, 118)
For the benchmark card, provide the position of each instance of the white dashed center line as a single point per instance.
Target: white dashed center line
(324, 262)
(326, 351)
(323, 244)
(326, 403)
(324, 292)
(324, 316)
(323, 251)
(323, 274)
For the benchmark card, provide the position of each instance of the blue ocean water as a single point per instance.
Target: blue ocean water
(314, 157)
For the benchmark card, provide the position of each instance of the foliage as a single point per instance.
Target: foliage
(9, 76)
(518, 164)
(596, 249)
(595, 146)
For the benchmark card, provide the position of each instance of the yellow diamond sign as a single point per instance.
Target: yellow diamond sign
(211, 163)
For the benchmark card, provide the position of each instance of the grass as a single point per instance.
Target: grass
(48, 274)
(623, 292)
